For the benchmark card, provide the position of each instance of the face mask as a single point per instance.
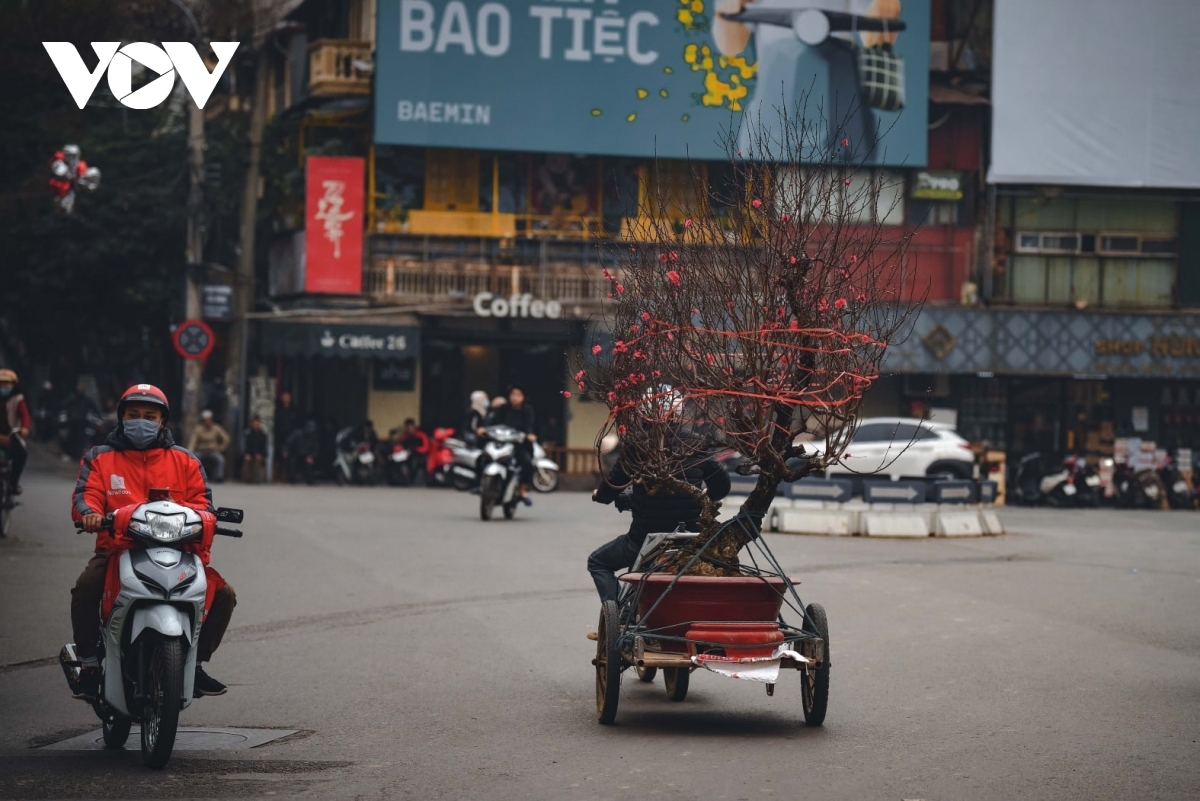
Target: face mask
(141, 434)
(5, 391)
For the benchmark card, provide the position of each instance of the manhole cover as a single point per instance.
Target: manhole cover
(188, 739)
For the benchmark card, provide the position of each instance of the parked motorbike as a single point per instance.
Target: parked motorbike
(148, 644)
(402, 466)
(545, 470)
(439, 462)
(1140, 489)
(501, 475)
(354, 463)
(1179, 492)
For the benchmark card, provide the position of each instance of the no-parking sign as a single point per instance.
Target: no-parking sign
(193, 339)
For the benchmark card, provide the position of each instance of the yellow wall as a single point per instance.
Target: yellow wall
(388, 409)
(584, 420)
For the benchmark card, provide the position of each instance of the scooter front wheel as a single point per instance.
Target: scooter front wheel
(116, 730)
(164, 698)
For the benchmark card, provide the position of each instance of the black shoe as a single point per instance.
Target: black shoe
(17, 490)
(87, 686)
(527, 501)
(207, 685)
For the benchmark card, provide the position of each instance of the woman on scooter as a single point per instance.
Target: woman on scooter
(519, 415)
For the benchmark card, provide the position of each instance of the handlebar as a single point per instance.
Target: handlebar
(228, 532)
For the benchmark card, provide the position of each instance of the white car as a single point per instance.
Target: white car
(902, 447)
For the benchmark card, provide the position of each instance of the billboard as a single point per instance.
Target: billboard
(333, 225)
(1096, 92)
(650, 77)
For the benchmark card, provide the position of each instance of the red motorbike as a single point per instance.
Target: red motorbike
(439, 459)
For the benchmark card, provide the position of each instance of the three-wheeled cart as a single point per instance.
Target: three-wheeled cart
(733, 625)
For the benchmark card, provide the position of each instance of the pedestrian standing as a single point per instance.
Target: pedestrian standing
(254, 453)
(287, 420)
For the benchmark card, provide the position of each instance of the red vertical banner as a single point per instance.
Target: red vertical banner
(333, 228)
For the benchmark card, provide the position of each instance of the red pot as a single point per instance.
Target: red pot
(709, 599)
(741, 640)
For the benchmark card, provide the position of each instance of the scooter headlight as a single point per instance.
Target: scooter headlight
(165, 528)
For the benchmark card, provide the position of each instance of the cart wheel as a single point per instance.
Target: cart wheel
(815, 688)
(608, 663)
(676, 680)
(647, 674)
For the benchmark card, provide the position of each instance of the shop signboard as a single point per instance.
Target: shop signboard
(316, 339)
(652, 78)
(333, 225)
(395, 376)
(937, 185)
(1062, 343)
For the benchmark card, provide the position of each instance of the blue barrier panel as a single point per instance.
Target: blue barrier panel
(987, 491)
(954, 491)
(837, 490)
(894, 491)
(744, 485)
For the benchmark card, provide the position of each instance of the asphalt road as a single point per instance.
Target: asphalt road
(424, 654)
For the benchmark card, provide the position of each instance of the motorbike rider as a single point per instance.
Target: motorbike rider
(16, 425)
(519, 415)
(209, 441)
(652, 512)
(138, 456)
(76, 410)
(476, 418)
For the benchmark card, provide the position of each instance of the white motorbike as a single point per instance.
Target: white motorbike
(148, 644)
(501, 475)
(464, 477)
(353, 463)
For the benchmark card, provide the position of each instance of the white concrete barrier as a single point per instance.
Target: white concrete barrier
(817, 521)
(990, 523)
(894, 524)
(958, 524)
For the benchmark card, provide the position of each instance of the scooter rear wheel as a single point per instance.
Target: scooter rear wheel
(164, 698)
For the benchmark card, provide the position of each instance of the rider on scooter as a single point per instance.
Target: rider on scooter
(138, 456)
(661, 511)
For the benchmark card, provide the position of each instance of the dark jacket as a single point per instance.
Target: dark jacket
(664, 511)
(522, 419)
(256, 442)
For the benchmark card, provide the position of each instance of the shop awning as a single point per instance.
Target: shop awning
(344, 338)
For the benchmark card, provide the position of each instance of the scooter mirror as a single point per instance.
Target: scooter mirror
(226, 515)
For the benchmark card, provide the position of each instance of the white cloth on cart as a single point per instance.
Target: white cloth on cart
(764, 669)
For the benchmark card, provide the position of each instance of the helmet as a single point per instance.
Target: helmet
(8, 375)
(144, 393)
(663, 402)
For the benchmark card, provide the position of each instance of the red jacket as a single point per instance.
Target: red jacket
(113, 476)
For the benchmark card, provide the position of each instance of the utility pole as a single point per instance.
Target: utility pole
(243, 284)
(193, 368)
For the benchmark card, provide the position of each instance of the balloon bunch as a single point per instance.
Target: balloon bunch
(70, 171)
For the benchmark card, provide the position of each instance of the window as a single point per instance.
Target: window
(925, 433)
(822, 195)
(875, 432)
(1117, 244)
(1034, 242)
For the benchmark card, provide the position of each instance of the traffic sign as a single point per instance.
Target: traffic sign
(954, 491)
(836, 490)
(193, 339)
(894, 491)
